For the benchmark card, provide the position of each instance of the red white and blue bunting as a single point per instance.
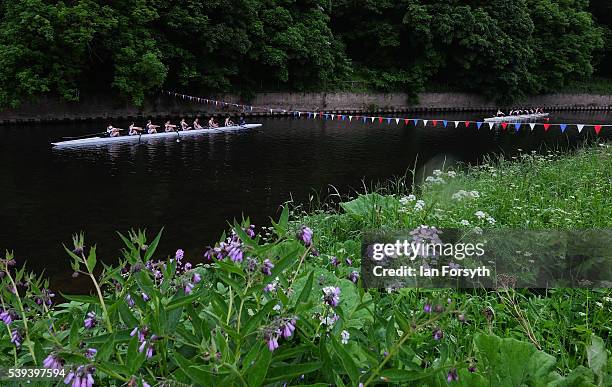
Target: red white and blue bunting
(397, 120)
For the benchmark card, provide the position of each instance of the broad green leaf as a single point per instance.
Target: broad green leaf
(256, 373)
(288, 371)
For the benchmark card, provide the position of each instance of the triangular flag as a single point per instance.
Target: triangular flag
(380, 120)
(406, 121)
(444, 122)
(372, 118)
(532, 125)
(563, 126)
(397, 121)
(491, 125)
(478, 125)
(456, 123)
(580, 126)
(504, 124)
(388, 120)
(467, 123)
(425, 122)
(546, 126)
(326, 115)
(435, 122)
(517, 126)
(597, 129)
(416, 121)
(365, 119)
(332, 116)
(350, 118)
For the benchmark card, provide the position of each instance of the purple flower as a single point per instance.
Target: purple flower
(188, 266)
(314, 252)
(452, 375)
(130, 301)
(472, 368)
(209, 254)
(437, 334)
(82, 377)
(149, 352)
(461, 317)
(188, 288)
(145, 297)
(270, 287)
(287, 328)
(16, 338)
(427, 308)
(305, 235)
(179, 254)
(235, 252)
(90, 321)
(349, 262)
(267, 267)
(334, 261)
(250, 231)
(251, 264)
(272, 339)
(90, 353)
(331, 295)
(196, 278)
(7, 317)
(53, 361)
(353, 276)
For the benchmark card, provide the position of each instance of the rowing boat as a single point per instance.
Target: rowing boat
(145, 137)
(517, 118)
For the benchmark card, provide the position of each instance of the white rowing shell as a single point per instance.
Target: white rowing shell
(144, 137)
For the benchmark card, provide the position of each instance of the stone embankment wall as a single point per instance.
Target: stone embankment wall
(99, 107)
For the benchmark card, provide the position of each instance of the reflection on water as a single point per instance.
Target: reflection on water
(193, 187)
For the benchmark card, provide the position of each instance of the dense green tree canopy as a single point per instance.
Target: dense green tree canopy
(501, 48)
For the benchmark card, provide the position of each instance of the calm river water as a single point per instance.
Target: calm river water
(194, 187)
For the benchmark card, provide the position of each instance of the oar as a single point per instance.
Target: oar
(87, 135)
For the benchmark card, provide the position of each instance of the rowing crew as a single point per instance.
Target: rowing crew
(151, 128)
(517, 112)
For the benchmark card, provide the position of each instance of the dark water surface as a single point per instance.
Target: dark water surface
(194, 187)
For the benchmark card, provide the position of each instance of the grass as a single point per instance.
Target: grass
(549, 190)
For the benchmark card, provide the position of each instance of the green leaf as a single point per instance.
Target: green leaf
(81, 298)
(346, 360)
(306, 290)
(286, 372)
(398, 376)
(256, 373)
(126, 314)
(91, 259)
(597, 356)
(196, 374)
(74, 333)
(153, 246)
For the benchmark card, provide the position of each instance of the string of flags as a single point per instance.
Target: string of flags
(397, 120)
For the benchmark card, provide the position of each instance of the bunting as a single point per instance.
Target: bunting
(434, 122)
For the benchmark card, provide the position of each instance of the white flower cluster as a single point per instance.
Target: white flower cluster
(407, 199)
(483, 215)
(345, 337)
(461, 194)
(419, 205)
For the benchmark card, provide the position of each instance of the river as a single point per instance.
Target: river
(193, 188)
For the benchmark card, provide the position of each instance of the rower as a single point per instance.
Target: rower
(228, 122)
(184, 125)
(151, 129)
(196, 124)
(241, 122)
(500, 113)
(169, 127)
(212, 124)
(112, 131)
(134, 130)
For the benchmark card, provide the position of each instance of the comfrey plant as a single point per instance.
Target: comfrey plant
(249, 311)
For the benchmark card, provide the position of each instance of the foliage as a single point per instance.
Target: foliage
(286, 306)
(501, 48)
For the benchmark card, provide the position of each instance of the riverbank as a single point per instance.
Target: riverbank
(284, 304)
(102, 107)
